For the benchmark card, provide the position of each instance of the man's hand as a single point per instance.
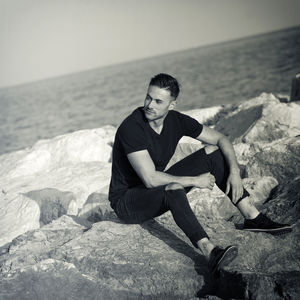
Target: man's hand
(205, 180)
(234, 183)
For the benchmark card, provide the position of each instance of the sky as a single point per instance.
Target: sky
(40, 39)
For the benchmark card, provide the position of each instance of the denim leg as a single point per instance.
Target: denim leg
(183, 215)
(141, 204)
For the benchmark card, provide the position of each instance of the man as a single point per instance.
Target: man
(142, 189)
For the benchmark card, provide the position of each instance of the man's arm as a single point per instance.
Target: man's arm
(142, 163)
(234, 181)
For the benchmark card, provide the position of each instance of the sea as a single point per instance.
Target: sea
(219, 74)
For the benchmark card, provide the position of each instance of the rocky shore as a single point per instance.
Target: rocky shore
(59, 238)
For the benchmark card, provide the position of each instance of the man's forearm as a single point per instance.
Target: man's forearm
(227, 149)
(161, 178)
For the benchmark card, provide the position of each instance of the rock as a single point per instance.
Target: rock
(131, 259)
(53, 203)
(279, 159)
(18, 214)
(148, 261)
(47, 155)
(128, 260)
(202, 115)
(282, 97)
(183, 150)
(36, 245)
(51, 279)
(70, 166)
(97, 208)
(81, 179)
(211, 204)
(260, 188)
(277, 121)
(238, 123)
(283, 205)
(269, 269)
(263, 118)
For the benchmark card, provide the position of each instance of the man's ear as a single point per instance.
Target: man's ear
(172, 105)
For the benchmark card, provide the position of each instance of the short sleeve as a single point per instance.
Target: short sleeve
(132, 137)
(190, 126)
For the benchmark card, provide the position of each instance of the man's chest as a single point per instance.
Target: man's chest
(162, 147)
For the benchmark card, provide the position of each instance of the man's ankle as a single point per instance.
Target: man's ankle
(252, 215)
(206, 246)
(247, 208)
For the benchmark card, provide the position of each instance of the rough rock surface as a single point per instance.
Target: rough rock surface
(80, 146)
(263, 119)
(279, 159)
(18, 214)
(83, 251)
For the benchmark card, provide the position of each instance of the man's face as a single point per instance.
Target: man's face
(158, 102)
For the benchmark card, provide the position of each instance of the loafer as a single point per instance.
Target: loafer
(220, 257)
(264, 224)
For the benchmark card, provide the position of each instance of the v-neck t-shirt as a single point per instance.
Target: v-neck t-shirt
(135, 134)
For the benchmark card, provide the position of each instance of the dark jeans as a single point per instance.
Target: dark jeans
(140, 204)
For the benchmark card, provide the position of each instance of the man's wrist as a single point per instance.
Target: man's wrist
(235, 170)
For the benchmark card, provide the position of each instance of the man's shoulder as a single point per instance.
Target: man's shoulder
(175, 114)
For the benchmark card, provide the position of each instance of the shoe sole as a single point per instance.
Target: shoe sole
(228, 256)
(277, 231)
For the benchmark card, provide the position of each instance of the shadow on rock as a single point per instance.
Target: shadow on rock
(225, 285)
(97, 208)
(53, 204)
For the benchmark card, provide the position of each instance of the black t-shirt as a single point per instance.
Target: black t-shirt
(135, 134)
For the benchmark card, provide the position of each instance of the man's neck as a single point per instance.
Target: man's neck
(157, 125)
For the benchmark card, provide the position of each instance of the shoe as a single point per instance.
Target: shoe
(263, 224)
(220, 257)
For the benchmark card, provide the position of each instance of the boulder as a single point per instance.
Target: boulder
(202, 115)
(263, 118)
(80, 146)
(51, 279)
(127, 260)
(260, 188)
(149, 261)
(36, 245)
(279, 159)
(18, 214)
(283, 204)
(97, 208)
(81, 179)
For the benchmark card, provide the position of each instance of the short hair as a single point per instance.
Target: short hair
(167, 82)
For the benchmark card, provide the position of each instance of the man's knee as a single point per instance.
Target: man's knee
(210, 149)
(174, 186)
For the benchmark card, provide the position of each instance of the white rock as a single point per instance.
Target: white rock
(278, 120)
(80, 146)
(260, 188)
(81, 179)
(203, 114)
(18, 214)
